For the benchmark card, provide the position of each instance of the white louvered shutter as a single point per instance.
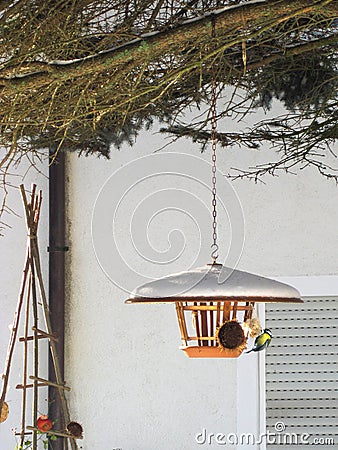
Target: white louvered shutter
(302, 372)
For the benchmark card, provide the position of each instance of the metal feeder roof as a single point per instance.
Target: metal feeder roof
(214, 283)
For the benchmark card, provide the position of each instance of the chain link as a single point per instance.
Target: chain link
(214, 253)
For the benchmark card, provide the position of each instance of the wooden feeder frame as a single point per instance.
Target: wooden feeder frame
(207, 318)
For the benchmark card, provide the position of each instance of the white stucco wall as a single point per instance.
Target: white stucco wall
(132, 388)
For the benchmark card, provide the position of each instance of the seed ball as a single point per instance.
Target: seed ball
(230, 335)
(75, 429)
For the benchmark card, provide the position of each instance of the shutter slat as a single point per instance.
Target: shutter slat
(313, 384)
(304, 419)
(319, 402)
(308, 315)
(287, 341)
(280, 356)
(302, 377)
(305, 330)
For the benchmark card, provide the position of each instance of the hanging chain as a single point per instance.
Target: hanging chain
(214, 246)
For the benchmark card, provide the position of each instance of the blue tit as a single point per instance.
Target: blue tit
(262, 341)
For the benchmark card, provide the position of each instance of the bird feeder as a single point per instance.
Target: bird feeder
(220, 300)
(214, 317)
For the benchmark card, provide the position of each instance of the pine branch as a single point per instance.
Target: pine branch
(38, 74)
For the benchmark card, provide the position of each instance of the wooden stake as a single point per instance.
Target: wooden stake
(37, 265)
(204, 324)
(226, 311)
(247, 305)
(234, 310)
(211, 307)
(56, 433)
(202, 338)
(35, 352)
(25, 364)
(50, 383)
(42, 333)
(218, 314)
(14, 331)
(29, 386)
(40, 336)
(181, 322)
(211, 324)
(252, 304)
(196, 324)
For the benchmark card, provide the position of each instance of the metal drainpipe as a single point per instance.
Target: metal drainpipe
(57, 250)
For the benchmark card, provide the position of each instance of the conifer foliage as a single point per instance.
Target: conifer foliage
(88, 75)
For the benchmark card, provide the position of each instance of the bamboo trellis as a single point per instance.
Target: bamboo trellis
(32, 294)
